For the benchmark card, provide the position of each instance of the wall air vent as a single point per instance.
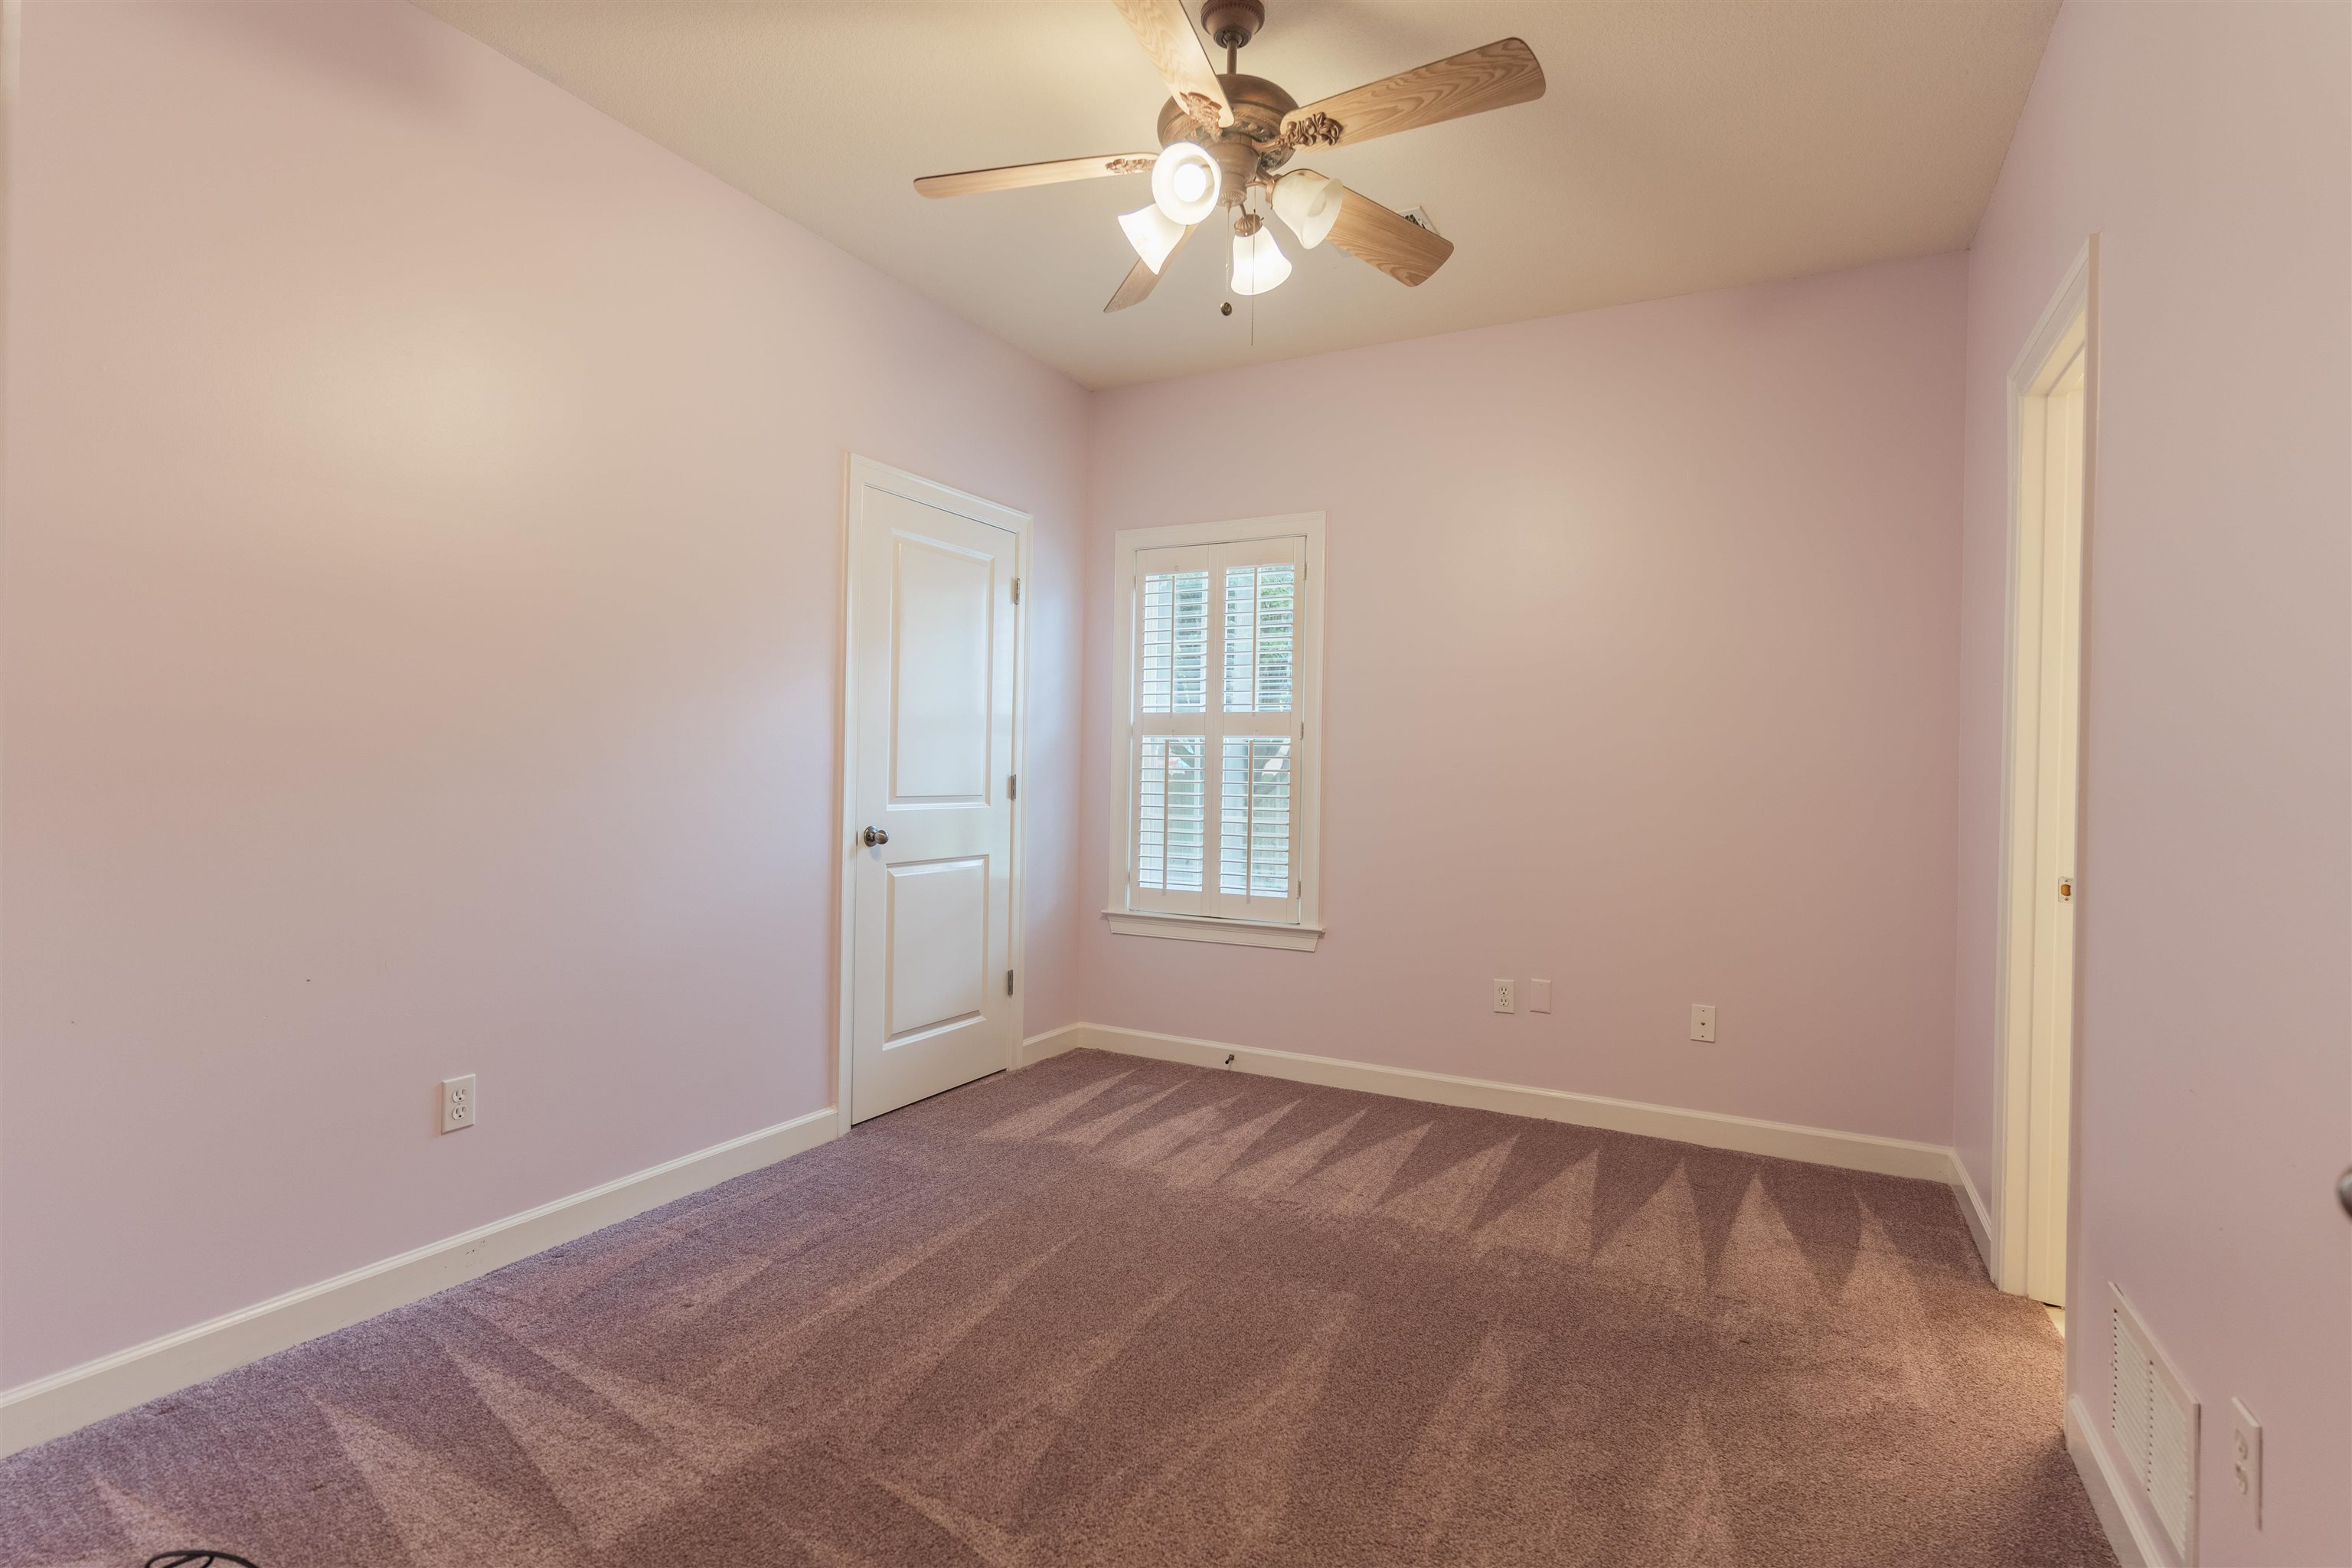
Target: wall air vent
(2153, 1420)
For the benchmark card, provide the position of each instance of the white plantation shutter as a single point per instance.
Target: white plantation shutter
(1216, 731)
(1174, 656)
(1172, 822)
(1254, 820)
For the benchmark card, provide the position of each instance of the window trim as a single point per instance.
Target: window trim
(1308, 773)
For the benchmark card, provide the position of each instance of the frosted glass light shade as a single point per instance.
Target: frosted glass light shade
(1185, 183)
(1153, 233)
(1258, 263)
(1309, 204)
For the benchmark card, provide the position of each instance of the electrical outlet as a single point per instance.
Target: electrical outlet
(457, 1103)
(1505, 1002)
(2246, 1460)
(1702, 1020)
(1538, 995)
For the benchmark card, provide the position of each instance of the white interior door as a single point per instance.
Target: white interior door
(933, 650)
(2053, 422)
(2052, 1049)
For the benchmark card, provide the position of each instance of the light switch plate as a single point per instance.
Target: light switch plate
(458, 1106)
(1702, 1020)
(1505, 1002)
(1538, 995)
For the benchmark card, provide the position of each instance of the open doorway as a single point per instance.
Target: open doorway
(2052, 391)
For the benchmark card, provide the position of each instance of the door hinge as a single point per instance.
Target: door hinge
(1008, 983)
(1016, 590)
(1013, 786)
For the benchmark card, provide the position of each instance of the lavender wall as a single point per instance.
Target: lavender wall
(422, 524)
(2211, 148)
(1641, 665)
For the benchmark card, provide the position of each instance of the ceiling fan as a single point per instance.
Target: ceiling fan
(1224, 136)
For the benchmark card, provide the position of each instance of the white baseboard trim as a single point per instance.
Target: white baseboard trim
(1052, 1043)
(1972, 1206)
(2118, 1514)
(54, 1406)
(1746, 1135)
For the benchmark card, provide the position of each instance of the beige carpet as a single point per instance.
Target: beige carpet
(1111, 1312)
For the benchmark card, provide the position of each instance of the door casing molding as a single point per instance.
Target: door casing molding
(860, 474)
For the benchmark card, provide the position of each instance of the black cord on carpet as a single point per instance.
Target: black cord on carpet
(198, 1557)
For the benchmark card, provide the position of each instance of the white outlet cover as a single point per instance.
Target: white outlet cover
(1702, 1020)
(1538, 995)
(2246, 1460)
(1505, 1002)
(461, 1103)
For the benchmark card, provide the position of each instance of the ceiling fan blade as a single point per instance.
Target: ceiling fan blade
(1140, 279)
(1390, 241)
(1012, 176)
(1495, 76)
(1166, 33)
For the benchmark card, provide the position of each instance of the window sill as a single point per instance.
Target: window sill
(1204, 928)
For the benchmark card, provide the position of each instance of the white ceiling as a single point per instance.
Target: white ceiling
(1681, 146)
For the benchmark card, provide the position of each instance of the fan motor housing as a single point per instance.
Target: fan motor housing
(1239, 148)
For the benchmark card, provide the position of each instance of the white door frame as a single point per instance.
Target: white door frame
(2075, 308)
(859, 475)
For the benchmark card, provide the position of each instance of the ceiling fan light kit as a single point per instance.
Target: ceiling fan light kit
(1225, 135)
(1185, 183)
(1309, 204)
(1258, 263)
(1153, 233)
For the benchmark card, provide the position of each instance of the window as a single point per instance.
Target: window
(1219, 630)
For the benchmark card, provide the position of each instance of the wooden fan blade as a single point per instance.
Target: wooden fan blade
(1012, 176)
(1166, 33)
(1390, 241)
(1495, 76)
(1140, 279)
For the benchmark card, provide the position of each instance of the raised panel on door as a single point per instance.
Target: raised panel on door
(936, 916)
(941, 623)
(933, 633)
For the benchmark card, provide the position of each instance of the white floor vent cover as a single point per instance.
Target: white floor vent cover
(2154, 1421)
